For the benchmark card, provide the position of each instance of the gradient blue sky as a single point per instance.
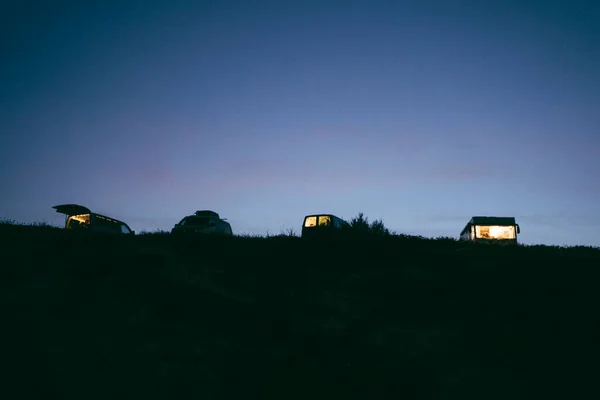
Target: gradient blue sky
(422, 113)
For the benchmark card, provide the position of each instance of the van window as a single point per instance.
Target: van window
(78, 221)
(495, 232)
(125, 229)
(105, 224)
(310, 222)
(324, 220)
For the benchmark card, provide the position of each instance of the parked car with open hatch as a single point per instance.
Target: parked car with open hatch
(81, 218)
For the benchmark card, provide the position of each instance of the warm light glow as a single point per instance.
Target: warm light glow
(76, 221)
(310, 222)
(495, 232)
(324, 220)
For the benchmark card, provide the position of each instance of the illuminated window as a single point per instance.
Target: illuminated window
(78, 221)
(310, 222)
(324, 220)
(495, 232)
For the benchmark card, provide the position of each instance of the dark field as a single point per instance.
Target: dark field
(157, 317)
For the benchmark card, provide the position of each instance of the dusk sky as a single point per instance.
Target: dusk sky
(422, 113)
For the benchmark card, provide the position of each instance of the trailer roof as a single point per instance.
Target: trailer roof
(479, 220)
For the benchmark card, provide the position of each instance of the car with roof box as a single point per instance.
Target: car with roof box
(203, 222)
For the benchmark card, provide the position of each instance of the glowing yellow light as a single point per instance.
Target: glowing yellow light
(495, 232)
(84, 218)
(75, 221)
(310, 222)
(324, 220)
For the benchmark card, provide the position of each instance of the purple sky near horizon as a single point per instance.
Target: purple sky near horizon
(423, 114)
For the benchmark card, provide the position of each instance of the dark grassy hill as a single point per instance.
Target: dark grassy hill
(153, 316)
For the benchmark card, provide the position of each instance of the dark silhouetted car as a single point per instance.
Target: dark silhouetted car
(204, 222)
(323, 225)
(81, 218)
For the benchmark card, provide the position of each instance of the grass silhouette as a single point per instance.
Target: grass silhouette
(384, 316)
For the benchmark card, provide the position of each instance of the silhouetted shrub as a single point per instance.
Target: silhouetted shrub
(378, 228)
(288, 233)
(40, 224)
(360, 225)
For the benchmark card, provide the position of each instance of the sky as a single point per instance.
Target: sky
(419, 113)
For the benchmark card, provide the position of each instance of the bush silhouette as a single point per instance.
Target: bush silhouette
(360, 225)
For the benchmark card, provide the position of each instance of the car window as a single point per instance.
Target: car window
(310, 222)
(324, 220)
(195, 221)
(125, 229)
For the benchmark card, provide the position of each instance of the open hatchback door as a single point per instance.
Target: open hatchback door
(72, 209)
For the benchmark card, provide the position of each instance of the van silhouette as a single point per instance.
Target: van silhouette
(81, 218)
(323, 225)
(491, 229)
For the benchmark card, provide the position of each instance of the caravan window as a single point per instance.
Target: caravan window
(495, 232)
